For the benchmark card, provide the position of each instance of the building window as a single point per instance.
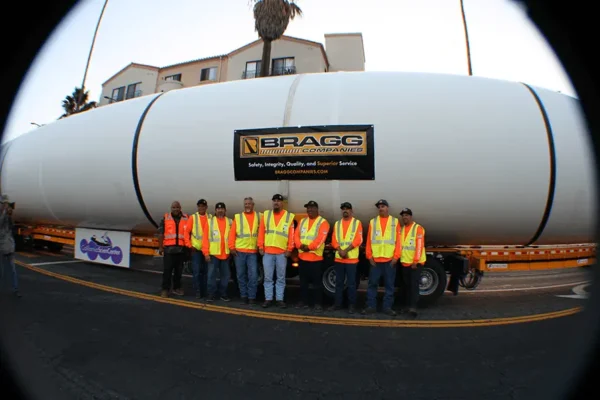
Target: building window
(283, 66)
(176, 77)
(208, 74)
(133, 90)
(118, 94)
(252, 70)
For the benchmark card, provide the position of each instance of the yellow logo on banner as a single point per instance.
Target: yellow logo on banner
(304, 144)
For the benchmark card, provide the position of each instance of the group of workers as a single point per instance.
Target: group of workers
(213, 239)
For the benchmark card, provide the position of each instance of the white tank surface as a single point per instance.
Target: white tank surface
(479, 161)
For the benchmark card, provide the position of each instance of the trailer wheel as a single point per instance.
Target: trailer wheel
(432, 282)
(329, 278)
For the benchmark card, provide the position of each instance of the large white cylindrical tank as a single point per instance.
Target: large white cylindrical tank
(479, 161)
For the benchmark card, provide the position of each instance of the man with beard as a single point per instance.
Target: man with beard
(346, 240)
(243, 245)
(275, 244)
(383, 251)
(173, 242)
(216, 252)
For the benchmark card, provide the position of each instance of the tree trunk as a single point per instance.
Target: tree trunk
(462, 10)
(266, 58)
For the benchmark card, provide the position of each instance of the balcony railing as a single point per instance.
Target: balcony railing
(137, 93)
(272, 72)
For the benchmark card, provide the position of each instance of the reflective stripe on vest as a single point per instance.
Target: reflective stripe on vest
(172, 237)
(246, 236)
(409, 246)
(383, 245)
(278, 236)
(347, 240)
(309, 235)
(214, 236)
(198, 231)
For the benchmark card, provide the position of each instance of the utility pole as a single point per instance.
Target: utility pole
(462, 10)
(87, 65)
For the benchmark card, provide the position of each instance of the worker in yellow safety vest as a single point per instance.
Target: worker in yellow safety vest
(275, 245)
(198, 226)
(310, 242)
(243, 245)
(215, 247)
(383, 252)
(412, 258)
(346, 240)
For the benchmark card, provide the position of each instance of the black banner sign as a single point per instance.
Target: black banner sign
(343, 152)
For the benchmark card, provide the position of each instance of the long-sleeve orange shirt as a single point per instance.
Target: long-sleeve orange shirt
(206, 244)
(419, 246)
(358, 239)
(369, 250)
(321, 236)
(233, 232)
(261, 235)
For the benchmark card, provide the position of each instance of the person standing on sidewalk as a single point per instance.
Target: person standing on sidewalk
(346, 240)
(275, 244)
(383, 251)
(412, 257)
(174, 244)
(216, 253)
(198, 228)
(310, 242)
(7, 244)
(243, 245)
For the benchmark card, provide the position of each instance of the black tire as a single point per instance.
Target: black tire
(328, 279)
(433, 282)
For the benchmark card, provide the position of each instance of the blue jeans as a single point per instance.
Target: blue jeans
(199, 270)
(246, 265)
(389, 279)
(272, 263)
(7, 261)
(349, 271)
(224, 274)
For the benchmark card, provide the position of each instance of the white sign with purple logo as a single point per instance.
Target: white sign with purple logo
(104, 247)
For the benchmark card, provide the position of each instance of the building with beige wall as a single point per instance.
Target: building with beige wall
(289, 55)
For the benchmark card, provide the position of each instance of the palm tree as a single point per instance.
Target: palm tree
(464, 19)
(271, 19)
(77, 102)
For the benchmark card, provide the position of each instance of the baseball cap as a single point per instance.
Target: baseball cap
(406, 211)
(382, 202)
(311, 203)
(220, 205)
(202, 202)
(277, 197)
(346, 205)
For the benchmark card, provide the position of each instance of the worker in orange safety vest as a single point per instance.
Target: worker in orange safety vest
(173, 244)
(412, 258)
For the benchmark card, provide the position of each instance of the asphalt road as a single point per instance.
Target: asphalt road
(74, 341)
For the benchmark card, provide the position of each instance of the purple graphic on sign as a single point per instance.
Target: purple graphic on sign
(102, 248)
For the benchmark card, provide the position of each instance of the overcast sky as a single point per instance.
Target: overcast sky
(399, 35)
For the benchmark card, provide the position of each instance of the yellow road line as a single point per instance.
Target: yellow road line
(310, 318)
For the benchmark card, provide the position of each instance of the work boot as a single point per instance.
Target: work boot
(390, 312)
(267, 304)
(335, 308)
(211, 299)
(351, 309)
(281, 304)
(318, 308)
(178, 292)
(368, 310)
(244, 300)
(413, 312)
(164, 293)
(198, 295)
(16, 293)
(252, 302)
(225, 298)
